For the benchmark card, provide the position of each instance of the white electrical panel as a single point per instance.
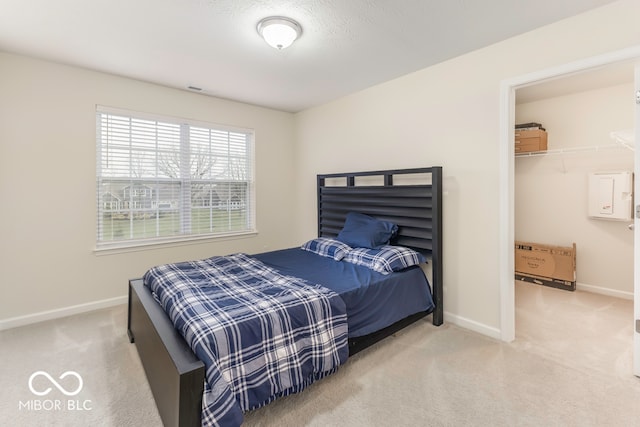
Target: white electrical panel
(611, 195)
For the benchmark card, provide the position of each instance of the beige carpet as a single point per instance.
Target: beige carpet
(569, 366)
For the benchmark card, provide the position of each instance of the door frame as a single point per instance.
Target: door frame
(636, 226)
(506, 164)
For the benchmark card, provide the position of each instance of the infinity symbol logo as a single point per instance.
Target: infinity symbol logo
(55, 383)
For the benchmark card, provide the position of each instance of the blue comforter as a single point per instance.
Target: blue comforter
(260, 334)
(373, 300)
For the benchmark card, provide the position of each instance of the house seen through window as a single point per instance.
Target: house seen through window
(166, 179)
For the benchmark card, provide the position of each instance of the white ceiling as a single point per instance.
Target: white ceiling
(346, 45)
(597, 78)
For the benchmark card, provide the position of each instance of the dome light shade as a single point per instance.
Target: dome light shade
(279, 31)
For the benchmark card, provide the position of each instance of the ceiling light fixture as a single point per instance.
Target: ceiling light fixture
(279, 31)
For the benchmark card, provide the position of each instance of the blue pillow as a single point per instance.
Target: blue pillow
(324, 246)
(386, 259)
(363, 231)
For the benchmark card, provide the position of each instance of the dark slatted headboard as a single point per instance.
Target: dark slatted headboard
(411, 198)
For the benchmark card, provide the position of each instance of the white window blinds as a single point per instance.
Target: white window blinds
(166, 179)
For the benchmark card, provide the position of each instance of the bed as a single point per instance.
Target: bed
(410, 198)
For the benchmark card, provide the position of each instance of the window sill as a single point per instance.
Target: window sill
(137, 246)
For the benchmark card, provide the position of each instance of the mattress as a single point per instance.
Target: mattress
(373, 300)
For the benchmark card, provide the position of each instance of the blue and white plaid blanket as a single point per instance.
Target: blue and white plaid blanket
(260, 334)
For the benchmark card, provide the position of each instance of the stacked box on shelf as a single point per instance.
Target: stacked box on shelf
(530, 137)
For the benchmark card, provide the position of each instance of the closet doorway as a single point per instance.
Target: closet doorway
(507, 185)
(589, 122)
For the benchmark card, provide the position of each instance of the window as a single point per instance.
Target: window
(164, 179)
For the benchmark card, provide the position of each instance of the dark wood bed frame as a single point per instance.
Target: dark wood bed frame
(176, 376)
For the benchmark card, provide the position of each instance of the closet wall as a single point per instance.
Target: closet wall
(551, 190)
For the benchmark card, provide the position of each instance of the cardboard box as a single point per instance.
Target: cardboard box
(530, 140)
(546, 265)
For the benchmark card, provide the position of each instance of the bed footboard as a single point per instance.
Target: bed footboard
(175, 375)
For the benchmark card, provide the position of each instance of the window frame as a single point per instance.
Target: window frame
(186, 205)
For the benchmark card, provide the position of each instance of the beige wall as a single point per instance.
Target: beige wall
(551, 191)
(47, 182)
(448, 115)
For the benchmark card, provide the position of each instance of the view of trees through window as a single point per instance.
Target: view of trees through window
(160, 179)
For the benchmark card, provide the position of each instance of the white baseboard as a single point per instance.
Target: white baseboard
(604, 291)
(472, 325)
(42, 316)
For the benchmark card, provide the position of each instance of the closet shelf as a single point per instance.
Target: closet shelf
(625, 138)
(573, 150)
